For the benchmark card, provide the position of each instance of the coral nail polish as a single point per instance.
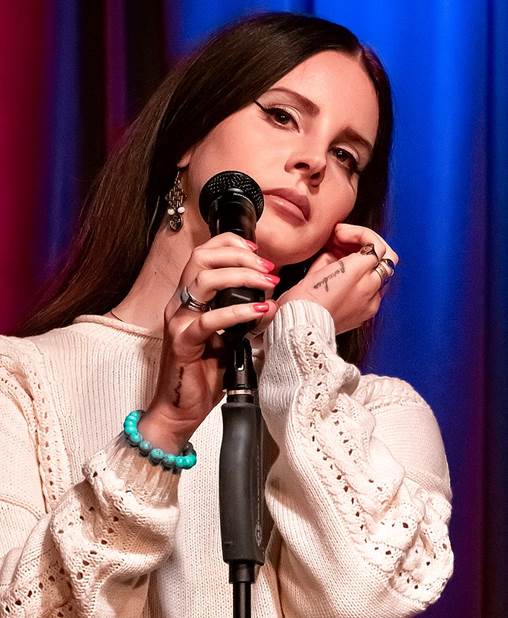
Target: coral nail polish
(252, 245)
(266, 264)
(260, 307)
(273, 279)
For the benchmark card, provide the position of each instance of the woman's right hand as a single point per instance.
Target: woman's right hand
(190, 375)
(343, 279)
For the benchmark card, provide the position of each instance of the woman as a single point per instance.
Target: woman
(359, 493)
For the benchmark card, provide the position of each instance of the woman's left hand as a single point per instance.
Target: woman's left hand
(343, 280)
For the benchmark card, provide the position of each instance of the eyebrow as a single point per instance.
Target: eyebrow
(313, 110)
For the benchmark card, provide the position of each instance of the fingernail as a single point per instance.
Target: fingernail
(266, 264)
(273, 279)
(261, 307)
(252, 245)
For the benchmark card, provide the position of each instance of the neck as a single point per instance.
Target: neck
(160, 274)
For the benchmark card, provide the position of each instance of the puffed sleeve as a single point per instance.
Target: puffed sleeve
(91, 553)
(360, 492)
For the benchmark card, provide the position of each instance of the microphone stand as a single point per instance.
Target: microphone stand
(231, 201)
(241, 491)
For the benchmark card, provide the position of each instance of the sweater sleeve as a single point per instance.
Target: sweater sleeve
(360, 491)
(91, 553)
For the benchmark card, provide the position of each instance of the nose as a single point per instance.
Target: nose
(311, 166)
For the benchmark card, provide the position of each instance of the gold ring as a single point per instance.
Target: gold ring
(390, 264)
(383, 273)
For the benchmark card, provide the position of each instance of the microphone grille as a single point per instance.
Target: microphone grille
(221, 182)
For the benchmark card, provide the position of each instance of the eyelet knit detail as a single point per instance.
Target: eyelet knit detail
(27, 600)
(43, 425)
(376, 393)
(397, 526)
(95, 522)
(118, 549)
(121, 518)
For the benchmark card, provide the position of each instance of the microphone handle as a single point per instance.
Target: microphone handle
(241, 475)
(240, 482)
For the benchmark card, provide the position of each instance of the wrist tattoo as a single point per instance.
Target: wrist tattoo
(324, 280)
(178, 388)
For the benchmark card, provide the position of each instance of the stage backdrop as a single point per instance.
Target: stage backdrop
(73, 74)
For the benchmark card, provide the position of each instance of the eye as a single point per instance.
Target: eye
(280, 116)
(346, 157)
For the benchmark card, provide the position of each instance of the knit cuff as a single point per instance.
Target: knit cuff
(301, 312)
(122, 467)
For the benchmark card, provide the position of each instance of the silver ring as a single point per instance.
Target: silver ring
(189, 302)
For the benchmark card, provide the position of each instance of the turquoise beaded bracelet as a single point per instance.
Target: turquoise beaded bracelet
(185, 460)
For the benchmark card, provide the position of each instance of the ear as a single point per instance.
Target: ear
(186, 158)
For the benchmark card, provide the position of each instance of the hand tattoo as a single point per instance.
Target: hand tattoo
(324, 281)
(178, 388)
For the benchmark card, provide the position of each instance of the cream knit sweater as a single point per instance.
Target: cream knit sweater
(359, 495)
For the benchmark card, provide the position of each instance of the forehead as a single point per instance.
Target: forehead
(340, 87)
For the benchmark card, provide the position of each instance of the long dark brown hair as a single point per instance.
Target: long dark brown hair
(231, 70)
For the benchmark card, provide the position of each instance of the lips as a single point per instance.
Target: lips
(295, 198)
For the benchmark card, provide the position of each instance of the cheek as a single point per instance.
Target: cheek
(224, 150)
(338, 200)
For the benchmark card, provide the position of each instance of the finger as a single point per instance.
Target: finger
(229, 239)
(380, 277)
(340, 249)
(206, 324)
(374, 306)
(388, 267)
(263, 323)
(216, 257)
(348, 235)
(208, 282)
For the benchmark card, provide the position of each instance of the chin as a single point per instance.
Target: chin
(283, 247)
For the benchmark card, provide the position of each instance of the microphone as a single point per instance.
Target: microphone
(231, 201)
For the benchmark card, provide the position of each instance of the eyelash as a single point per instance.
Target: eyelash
(273, 112)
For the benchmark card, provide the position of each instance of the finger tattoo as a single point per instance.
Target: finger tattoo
(178, 388)
(324, 280)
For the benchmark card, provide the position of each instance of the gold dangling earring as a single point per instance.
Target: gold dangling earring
(175, 199)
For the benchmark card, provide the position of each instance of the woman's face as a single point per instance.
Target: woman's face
(301, 141)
